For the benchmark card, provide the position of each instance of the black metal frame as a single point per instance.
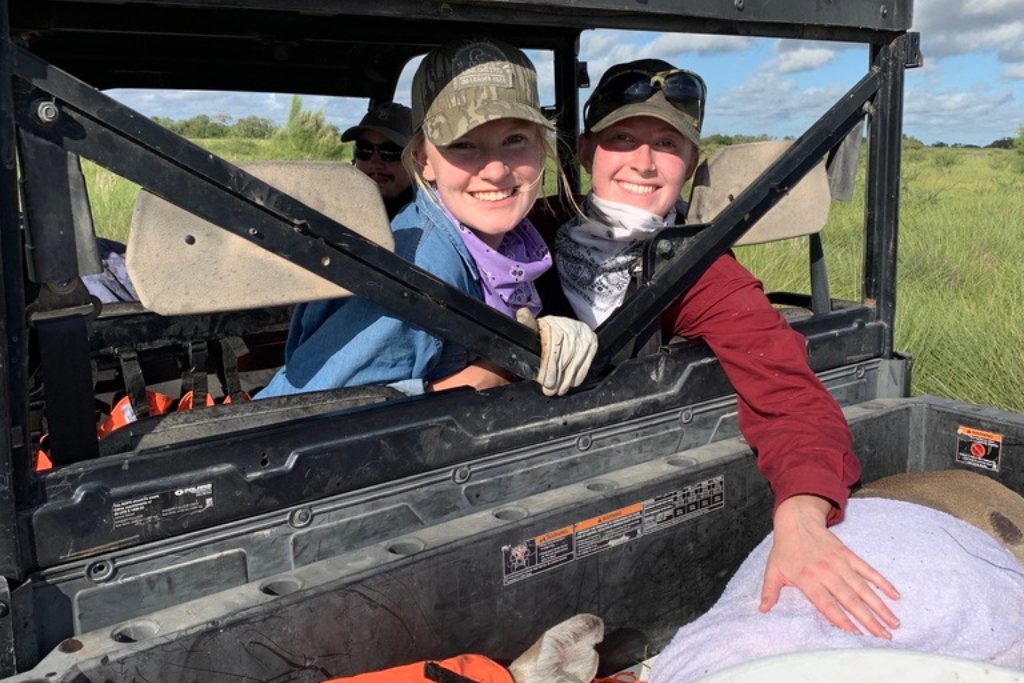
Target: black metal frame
(13, 385)
(92, 125)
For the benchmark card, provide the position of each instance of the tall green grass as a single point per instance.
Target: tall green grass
(960, 291)
(960, 273)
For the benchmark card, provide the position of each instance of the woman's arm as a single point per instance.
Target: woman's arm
(803, 444)
(481, 374)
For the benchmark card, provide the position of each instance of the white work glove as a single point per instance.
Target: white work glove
(567, 348)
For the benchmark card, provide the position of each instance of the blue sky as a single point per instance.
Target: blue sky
(970, 90)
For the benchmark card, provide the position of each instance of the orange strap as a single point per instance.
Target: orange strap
(122, 413)
(474, 667)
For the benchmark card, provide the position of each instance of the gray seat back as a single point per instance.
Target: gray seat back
(181, 264)
(728, 171)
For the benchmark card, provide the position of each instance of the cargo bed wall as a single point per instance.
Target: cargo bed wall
(647, 546)
(447, 457)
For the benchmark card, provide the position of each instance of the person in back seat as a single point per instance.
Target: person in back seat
(377, 152)
(478, 156)
(640, 145)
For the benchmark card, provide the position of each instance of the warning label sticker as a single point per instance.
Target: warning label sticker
(978, 449)
(154, 507)
(590, 536)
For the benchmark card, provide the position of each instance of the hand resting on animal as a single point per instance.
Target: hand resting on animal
(962, 586)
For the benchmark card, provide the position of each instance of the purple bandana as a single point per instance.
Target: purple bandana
(507, 274)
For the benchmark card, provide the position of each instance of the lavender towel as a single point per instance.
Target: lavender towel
(962, 595)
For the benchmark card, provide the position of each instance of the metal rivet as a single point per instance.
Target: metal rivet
(738, 4)
(100, 571)
(884, 11)
(686, 417)
(664, 248)
(300, 518)
(70, 645)
(190, 239)
(584, 442)
(4, 610)
(47, 112)
(253, 232)
(325, 261)
(460, 475)
(860, 372)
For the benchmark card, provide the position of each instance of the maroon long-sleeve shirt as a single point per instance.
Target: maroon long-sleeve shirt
(798, 431)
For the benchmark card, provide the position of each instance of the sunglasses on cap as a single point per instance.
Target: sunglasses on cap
(388, 151)
(683, 89)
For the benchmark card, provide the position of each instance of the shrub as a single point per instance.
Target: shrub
(910, 142)
(1001, 143)
(202, 126)
(253, 127)
(946, 158)
(308, 135)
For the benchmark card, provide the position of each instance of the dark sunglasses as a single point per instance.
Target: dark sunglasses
(683, 89)
(388, 151)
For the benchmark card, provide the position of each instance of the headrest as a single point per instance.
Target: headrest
(730, 170)
(182, 264)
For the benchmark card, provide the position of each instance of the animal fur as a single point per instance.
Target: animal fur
(972, 497)
(951, 542)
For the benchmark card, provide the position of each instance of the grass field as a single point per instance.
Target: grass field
(960, 300)
(960, 277)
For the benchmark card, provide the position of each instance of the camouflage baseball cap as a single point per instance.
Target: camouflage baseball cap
(390, 119)
(467, 83)
(648, 87)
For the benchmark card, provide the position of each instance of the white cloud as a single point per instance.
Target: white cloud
(1014, 72)
(954, 27)
(766, 103)
(673, 44)
(603, 49)
(804, 59)
(979, 115)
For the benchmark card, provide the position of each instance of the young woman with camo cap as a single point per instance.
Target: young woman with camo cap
(477, 156)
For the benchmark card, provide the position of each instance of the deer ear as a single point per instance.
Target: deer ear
(565, 652)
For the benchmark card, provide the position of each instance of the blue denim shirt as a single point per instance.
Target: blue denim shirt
(353, 341)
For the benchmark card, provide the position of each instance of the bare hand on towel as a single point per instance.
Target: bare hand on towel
(809, 557)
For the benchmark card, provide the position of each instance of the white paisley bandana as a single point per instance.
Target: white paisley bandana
(595, 253)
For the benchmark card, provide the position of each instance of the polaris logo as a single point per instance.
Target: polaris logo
(200, 490)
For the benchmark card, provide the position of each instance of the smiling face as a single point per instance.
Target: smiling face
(390, 176)
(488, 178)
(641, 161)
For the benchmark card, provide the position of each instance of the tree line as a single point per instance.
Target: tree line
(301, 123)
(312, 127)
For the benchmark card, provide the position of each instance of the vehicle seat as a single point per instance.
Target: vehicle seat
(802, 212)
(185, 268)
(181, 264)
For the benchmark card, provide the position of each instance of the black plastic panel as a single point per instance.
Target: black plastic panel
(261, 466)
(428, 590)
